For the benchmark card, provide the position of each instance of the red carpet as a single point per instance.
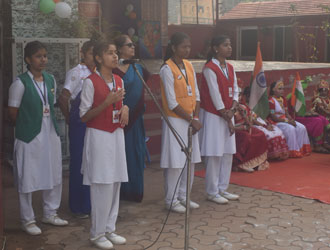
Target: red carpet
(307, 177)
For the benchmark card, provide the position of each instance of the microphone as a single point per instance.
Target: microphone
(127, 61)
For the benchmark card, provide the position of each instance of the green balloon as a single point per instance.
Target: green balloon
(46, 6)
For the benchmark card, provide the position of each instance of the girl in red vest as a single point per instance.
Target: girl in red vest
(180, 98)
(219, 100)
(104, 161)
(37, 150)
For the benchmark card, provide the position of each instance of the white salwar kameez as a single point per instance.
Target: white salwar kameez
(217, 145)
(172, 158)
(37, 164)
(103, 167)
(296, 137)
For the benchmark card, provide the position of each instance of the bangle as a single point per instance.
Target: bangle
(196, 118)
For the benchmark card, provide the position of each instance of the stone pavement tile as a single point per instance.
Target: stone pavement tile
(311, 237)
(259, 234)
(258, 244)
(310, 245)
(219, 215)
(286, 209)
(284, 236)
(211, 231)
(234, 237)
(214, 222)
(245, 206)
(148, 243)
(153, 235)
(178, 242)
(260, 223)
(275, 247)
(262, 216)
(325, 240)
(281, 222)
(71, 242)
(236, 225)
(223, 245)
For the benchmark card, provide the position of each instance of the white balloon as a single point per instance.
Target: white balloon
(131, 32)
(130, 7)
(63, 10)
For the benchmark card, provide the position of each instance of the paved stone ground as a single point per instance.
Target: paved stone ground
(259, 220)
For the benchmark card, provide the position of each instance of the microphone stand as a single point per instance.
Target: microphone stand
(186, 150)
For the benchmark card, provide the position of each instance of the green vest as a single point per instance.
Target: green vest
(30, 112)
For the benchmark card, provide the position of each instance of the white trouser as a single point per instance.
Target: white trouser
(105, 206)
(171, 178)
(218, 169)
(51, 202)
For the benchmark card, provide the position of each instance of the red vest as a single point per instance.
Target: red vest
(103, 121)
(224, 85)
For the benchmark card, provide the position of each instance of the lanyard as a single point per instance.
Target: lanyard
(225, 72)
(185, 76)
(114, 87)
(43, 94)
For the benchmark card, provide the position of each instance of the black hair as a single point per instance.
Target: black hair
(216, 41)
(176, 39)
(271, 88)
(86, 46)
(246, 91)
(31, 48)
(98, 50)
(121, 40)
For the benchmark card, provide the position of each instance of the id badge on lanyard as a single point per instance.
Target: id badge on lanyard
(189, 89)
(230, 92)
(115, 115)
(46, 110)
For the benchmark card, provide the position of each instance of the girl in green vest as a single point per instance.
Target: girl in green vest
(37, 149)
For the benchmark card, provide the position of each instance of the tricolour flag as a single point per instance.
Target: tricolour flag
(258, 95)
(298, 97)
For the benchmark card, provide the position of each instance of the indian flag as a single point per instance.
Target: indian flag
(298, 97)
(258, 95)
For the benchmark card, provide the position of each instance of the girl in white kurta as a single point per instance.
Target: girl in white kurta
(219, 99)
(37, 149)
(295, 133)
(180, 97)
(104, 160)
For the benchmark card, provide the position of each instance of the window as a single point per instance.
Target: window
(248, 42)
(283, 49)
(191, 12)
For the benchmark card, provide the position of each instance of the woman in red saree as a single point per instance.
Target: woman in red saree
(251, 143)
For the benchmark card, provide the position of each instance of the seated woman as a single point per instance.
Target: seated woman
(277, 147)
(295, 133)
(248, 156)
(321, 102)
(317, 126)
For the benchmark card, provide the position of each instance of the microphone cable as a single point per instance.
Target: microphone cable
(169, 209)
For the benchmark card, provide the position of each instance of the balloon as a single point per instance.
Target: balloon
(56, 1)
(46, 6)
(131, 31)
(130, 7)
(132, 15)
(63, 10)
